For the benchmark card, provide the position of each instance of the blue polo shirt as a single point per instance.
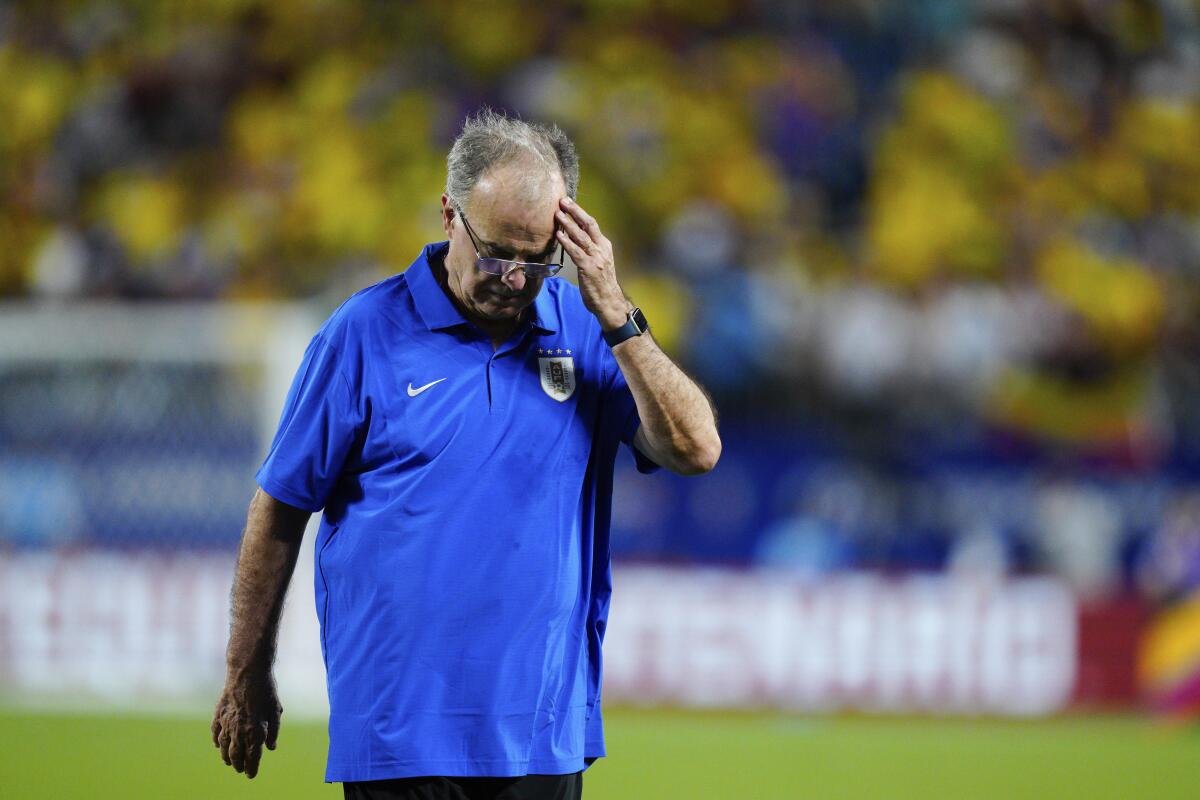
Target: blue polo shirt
(462, 563)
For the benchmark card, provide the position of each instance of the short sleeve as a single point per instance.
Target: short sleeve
(620, 411)
(319, 427)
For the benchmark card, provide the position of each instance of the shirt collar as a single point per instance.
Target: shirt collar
(545, 312)
(435, 308)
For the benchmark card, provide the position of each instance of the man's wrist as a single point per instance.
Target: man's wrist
(615, 318)
(249, 666)
(248, 658)
(635, 325)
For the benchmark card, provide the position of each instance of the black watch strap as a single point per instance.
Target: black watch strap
(635, 325)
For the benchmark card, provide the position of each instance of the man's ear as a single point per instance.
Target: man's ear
(447, 215)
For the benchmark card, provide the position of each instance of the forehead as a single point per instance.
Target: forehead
(514, 205)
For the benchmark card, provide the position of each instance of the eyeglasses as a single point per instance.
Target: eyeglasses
(503, 266)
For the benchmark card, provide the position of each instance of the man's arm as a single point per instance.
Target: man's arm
(679, 425)
(248, 711)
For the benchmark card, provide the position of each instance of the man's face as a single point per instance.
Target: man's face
(512, 217)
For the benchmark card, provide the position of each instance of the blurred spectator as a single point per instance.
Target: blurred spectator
(1170, 567)
(1078, 535)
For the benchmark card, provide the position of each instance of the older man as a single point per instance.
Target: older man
(458, 424)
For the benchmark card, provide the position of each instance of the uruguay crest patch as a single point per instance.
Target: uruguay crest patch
(558, 376)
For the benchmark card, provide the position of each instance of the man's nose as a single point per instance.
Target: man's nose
(515, 279)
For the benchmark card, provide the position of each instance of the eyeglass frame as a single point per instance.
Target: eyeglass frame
(541, 270)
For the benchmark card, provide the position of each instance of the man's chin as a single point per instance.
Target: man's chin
(498, 310)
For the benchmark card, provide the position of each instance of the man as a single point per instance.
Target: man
(458, 424)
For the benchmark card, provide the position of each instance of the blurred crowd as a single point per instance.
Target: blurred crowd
(919, 224)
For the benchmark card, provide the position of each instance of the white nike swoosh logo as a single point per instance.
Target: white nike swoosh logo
(414, 392)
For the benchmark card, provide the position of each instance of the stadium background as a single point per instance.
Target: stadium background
(936, 261)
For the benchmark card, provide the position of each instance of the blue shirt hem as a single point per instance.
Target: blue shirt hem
(457, 768)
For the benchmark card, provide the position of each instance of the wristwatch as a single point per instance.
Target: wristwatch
(636, 325)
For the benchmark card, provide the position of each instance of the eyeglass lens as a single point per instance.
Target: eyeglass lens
(500, 266)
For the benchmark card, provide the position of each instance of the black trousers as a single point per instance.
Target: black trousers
(528, 787)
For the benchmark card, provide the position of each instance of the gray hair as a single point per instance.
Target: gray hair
(491, 138)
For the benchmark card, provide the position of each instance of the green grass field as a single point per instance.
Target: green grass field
(653, 754)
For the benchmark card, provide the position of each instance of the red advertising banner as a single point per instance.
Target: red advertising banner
(130, 628)
(859, 641)
(1110, 640)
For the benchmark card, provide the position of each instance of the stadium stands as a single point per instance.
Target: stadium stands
(937, 262)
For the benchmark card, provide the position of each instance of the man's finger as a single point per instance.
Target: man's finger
(223, 744)
(587, 222)
(272, 732)
(250, 742)
(573, 250)
(237, 757)
(253, 756)
(578, 235)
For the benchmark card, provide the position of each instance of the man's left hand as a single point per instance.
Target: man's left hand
(246, 718)
(592, 253)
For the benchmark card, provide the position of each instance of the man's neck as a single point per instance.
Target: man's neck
(498, 332)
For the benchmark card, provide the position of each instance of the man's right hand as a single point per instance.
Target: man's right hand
(247, 715)
(246, 718)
